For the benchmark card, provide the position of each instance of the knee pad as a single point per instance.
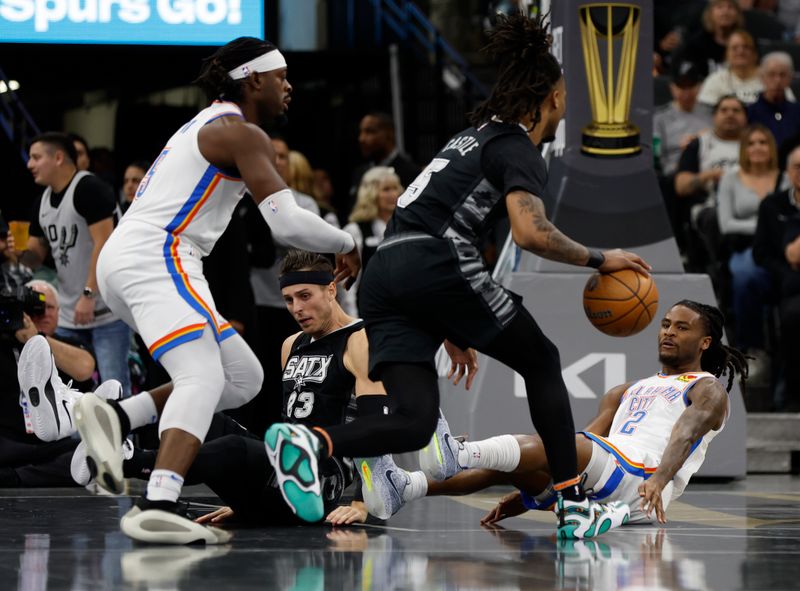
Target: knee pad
(244, 375)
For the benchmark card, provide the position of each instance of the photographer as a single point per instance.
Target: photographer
(25, 459)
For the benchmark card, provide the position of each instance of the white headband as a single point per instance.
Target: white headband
(272, 60)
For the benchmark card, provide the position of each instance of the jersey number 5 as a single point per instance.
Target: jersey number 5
(301, 412)
(416, 188)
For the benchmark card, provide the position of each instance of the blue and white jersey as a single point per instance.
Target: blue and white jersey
(646, 416)
(183, 194)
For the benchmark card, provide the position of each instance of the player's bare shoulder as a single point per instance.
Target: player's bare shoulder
(709, 395)
(222, 139)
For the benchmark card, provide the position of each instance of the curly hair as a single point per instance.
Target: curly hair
(520, 46)
(718, 358)
(214, 79)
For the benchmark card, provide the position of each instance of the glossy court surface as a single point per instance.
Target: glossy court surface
(727, 536)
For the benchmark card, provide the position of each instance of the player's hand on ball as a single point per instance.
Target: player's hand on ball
(650, 492)
(347, 267)
(462, 363)
(618, 259)
(509, 506)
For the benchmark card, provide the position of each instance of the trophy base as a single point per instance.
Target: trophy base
(610, 140)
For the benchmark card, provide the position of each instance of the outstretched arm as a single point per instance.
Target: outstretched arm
(709, 406)
(532, 231)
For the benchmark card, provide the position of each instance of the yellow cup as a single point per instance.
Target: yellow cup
(19, 230)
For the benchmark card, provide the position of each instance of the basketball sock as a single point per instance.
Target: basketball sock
(496, 453)
(570, 490)
(140, 410)
(417, 486)
(164, 485)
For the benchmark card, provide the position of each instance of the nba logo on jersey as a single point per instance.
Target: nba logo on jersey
(272, 206)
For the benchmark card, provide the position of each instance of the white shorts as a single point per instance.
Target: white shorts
(154, 281)
(615, 474)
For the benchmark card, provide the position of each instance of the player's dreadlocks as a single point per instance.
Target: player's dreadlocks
(527, 70)
(718, 358)
(214, 79)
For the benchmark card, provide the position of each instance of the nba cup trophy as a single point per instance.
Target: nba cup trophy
(603, 192)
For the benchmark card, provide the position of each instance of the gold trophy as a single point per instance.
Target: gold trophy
(610, 34)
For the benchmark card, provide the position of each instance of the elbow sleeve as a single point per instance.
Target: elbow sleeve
(293, 225)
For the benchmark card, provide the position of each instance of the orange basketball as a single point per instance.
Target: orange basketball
(621, 303)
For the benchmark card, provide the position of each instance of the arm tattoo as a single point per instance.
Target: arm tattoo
(553, 244)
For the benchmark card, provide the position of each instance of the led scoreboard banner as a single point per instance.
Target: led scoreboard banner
(136, 22)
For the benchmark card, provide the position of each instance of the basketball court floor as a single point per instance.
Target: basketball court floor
(726, 536)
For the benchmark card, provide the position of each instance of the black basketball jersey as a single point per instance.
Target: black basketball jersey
(462, 191)
(316, 385)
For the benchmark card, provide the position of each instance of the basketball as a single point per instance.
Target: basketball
(621, 303)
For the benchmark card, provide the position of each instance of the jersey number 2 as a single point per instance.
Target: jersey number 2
(630, 426)
(416, 188)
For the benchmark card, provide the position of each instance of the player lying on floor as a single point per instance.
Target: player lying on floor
(648, 439)
(323, 365)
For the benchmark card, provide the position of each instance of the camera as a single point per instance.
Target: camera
(13, 302)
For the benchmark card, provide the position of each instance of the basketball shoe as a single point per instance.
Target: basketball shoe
(165, 522)
(383, 484)
(293, 451)
(101, 431)
(79, 467)
(588, 519)
(439, 459)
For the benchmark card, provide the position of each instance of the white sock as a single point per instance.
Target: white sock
(164, 485)
(141, 409)
(417, 486)
(496, 453)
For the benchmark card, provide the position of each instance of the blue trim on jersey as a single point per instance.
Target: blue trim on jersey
(225, 334)
(694, 447)
(610, 486)
(228, 114)
(191, 336)
(197, 194)
(623, 462)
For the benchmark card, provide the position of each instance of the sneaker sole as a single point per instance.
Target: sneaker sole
(287, 458)
(35, 369)
(99, 426)
(154, 526)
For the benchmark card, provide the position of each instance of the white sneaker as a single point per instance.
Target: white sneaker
(589, 519)
(160, 522)
(79, 467)
(100, 430)
(49, 401)
(439, 459)
(382, 485)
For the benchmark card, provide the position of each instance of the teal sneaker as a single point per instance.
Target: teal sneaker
(293, 452)
(588, 519)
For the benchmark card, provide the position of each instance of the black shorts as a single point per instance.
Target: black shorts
(419, 290)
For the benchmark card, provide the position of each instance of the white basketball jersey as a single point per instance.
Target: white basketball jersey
(647, 413)
(182, 193)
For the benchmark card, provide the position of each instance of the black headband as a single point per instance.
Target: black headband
(314, 277)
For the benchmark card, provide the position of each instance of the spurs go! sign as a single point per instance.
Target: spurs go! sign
(151, 22)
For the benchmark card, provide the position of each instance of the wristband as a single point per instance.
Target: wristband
(596, 259)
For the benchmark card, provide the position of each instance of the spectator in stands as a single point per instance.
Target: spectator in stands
(82, 160)
(376, 139)
(760, 22)
(25, 459)
(739, 76)
(377, 198)
(323, 190)
(301, 178)
(775, 107)
(788, 12)
(700, 168)
(74, 218)
(134, 173)
(740, 193)
(674, 126)
(707, 47)
(777, 247)
(673, 20)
